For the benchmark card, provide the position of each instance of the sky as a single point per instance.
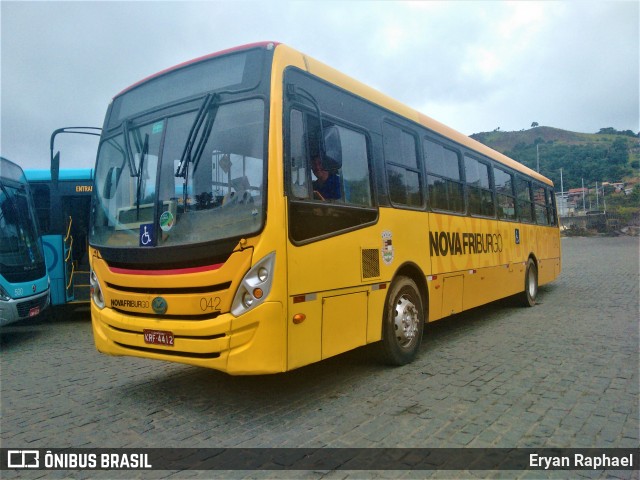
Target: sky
(475, 66)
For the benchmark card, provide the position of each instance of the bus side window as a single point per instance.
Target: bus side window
(525, 206)
(354, 174)
(506, 202)
(540, 202)
(41, 200)
(479, 191)
(403, 169)
(551, 206)
(443, 178)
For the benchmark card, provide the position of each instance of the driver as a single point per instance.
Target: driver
(327, 184)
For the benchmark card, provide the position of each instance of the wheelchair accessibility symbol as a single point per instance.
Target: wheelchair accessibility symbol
(146, 235)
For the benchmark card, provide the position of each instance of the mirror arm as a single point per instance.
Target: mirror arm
(292, 92)
(55, 159)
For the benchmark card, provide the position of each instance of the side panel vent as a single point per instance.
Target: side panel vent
(370, 263)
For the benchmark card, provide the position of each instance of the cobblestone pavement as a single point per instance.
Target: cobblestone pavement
(561, 374)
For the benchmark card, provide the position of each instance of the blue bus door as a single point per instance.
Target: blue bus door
(57, 252)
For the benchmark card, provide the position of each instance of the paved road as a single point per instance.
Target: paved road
(562, 374)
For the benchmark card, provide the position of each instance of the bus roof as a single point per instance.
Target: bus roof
(248, 46)
(66, 174)
(286, 55)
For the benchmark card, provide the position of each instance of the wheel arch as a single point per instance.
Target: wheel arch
(415, 273)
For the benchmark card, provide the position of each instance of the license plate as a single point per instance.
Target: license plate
(158, 337)
(34, 311)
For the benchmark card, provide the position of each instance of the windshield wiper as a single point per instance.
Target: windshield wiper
(143, 154)
(127, 149)
(205, 113)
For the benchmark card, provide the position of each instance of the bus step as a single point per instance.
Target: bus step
(81, 291)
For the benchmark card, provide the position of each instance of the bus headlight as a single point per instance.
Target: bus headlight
(255, 286)
(4, 296)
(96, 291)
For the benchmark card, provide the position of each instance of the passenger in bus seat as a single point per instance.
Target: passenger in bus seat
(327, 183)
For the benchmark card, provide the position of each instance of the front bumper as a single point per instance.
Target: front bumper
(22, 308)
(254, 343)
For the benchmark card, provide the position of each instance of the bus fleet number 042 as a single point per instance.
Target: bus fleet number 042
(210, 304)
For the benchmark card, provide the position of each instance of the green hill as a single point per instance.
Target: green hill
(607, 156)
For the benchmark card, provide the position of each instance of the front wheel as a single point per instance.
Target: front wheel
(403, 323)
(530, 284)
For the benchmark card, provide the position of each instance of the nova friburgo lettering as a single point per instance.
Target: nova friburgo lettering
(457, 243)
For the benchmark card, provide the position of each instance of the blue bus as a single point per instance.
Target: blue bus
(24, 284)
(63, 215)
(63, 201)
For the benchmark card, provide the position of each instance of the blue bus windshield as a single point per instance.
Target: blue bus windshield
(21, 257)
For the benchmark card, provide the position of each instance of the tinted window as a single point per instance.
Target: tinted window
(551, 207)
(443, 178)
(403, 170)
(478, 187)
(523, 194)
(505, 199)
(540, 203)
(41, 200)
(441, 161)
(445, 189)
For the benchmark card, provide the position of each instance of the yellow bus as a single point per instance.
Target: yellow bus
(255, 211)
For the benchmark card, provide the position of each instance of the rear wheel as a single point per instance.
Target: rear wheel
(530, 284)
(403, 322)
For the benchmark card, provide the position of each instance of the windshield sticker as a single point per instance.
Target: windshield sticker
(166, 221)
(157, 128)
(387, 247)
(146, 235)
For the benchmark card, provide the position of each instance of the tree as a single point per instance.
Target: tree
(535, 124)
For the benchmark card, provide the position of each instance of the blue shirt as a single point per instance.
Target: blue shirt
(330, 190)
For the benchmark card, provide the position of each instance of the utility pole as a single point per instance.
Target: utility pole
(538, 157)
(597, 198)
(584, 206)
(563, 202)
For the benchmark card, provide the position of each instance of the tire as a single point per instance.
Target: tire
(402, 323)
(530, 293)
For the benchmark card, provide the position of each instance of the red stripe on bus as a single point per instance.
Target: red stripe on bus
(176, 271)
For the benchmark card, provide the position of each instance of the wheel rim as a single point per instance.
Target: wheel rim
(531, 283)
(406, 321)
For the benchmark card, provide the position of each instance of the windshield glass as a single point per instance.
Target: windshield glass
(156, 196)
(19, 246)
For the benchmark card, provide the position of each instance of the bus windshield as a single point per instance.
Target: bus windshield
(20, 252)
(183, 176)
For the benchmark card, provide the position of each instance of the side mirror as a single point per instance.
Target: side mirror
(111, 183)
(332, 155)
(55, 169)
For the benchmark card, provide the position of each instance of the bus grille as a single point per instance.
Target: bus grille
(370, 263)
(169, 291)
(25, 307)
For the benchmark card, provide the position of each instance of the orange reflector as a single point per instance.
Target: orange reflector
(258, 293)
(299, 318)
